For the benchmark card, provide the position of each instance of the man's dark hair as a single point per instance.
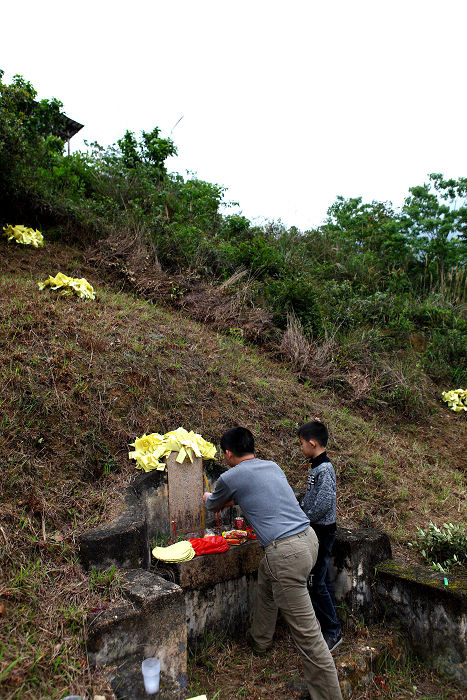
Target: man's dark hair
(239, 441)
(314, 430)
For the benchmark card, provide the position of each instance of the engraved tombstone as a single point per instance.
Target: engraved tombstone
(185, 482)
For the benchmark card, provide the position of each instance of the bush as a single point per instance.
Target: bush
(443, 547)
(289, 294)
(258, 255)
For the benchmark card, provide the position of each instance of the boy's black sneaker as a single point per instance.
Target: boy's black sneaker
(333, 642)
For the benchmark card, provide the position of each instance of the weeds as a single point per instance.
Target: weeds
(444, 548)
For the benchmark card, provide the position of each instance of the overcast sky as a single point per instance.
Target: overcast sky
(287, 104)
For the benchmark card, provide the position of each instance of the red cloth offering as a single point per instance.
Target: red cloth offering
(213, 544)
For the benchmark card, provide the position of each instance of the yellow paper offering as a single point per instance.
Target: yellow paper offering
(151, 449)
(180, 551)
(24, 235)
(69, 286)
(456, 399)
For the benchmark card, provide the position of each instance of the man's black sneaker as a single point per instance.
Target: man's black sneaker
(259, 651)
(299, 687)
(333, 642)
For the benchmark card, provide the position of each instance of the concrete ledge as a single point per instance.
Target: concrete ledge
(121, 544)
(432, 615)
(207, 570)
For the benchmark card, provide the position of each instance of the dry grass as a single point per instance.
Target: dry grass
(80, 380)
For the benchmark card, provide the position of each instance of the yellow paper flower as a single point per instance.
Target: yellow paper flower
(151, 449)
(24, 235)
(456, 399)
(69, 285)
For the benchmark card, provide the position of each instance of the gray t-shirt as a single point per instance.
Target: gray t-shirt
(263, 493)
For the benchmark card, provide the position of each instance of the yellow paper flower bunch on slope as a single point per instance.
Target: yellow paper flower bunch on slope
(456, 399)
(151, 449)
(69, 285)
(24, 235)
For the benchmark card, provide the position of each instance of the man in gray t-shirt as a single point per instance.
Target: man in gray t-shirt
(290, 546)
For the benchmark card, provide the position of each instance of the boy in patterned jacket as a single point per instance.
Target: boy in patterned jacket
(319, 504)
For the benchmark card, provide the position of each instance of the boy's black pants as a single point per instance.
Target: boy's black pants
(321, 588)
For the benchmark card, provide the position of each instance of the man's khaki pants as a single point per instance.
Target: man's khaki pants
(282, 585)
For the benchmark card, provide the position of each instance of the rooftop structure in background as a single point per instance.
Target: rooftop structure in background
(68, 130)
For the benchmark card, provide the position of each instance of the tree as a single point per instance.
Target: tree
(151, 151)
(29, 135)
(434, 217)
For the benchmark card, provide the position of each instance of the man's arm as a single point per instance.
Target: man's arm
(206, 495)
(221, 497)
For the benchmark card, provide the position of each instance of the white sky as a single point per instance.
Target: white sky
(286, 103)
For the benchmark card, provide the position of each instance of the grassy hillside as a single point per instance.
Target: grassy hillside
(370, 304)
(80, 380)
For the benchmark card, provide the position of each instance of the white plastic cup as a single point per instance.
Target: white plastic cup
(151, 669)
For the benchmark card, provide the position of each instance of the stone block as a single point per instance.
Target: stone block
(354, 557)
(151, 622)
(121, 543)
(185, 493)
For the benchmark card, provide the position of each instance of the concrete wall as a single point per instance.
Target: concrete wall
(431, 614)
(216, 592)
(226, 607)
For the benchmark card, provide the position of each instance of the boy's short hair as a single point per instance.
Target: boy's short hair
(240, 441)
(314, 430)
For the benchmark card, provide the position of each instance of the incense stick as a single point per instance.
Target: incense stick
(175, 529)
(206, 481)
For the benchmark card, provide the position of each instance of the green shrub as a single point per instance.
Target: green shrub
(442, 547)
(259, 255)
(294, 294)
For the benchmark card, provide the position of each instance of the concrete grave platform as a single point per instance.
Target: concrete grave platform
(218, 588)
(148, 511)
(209, 569)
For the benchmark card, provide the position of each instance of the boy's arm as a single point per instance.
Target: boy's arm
(321, 499)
